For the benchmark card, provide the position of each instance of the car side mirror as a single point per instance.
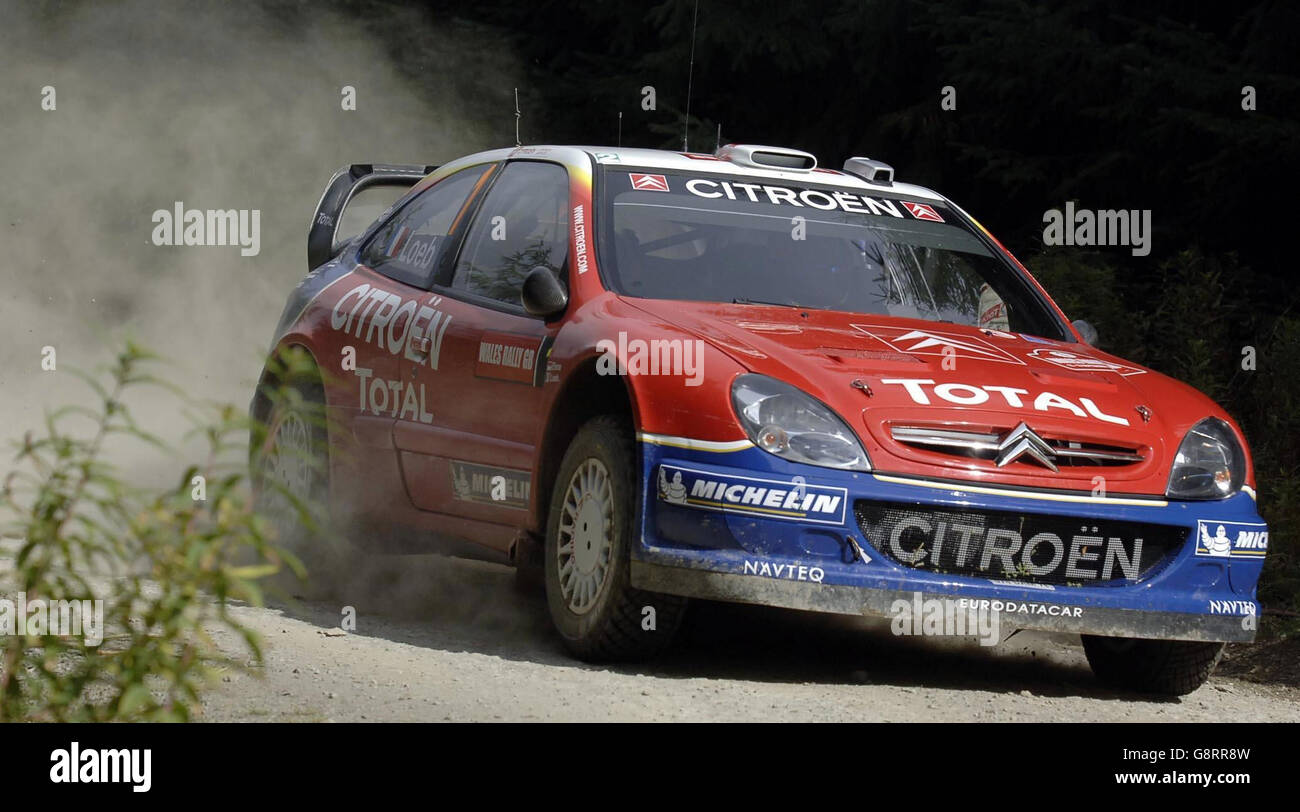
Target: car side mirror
(542, 294)
(1086, 331)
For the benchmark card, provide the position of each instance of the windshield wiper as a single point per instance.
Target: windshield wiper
(743, 300)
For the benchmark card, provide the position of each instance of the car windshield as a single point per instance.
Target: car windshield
(712, 238)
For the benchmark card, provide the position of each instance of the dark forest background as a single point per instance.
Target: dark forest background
(1112, 105)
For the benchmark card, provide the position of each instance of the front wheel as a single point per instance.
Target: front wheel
(1174, 667)
(589, 535)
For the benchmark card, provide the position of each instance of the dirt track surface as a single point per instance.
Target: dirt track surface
(445, 640)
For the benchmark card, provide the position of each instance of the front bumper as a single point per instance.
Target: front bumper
(765, 553)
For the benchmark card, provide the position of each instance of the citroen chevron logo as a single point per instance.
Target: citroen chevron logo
(926, 341)
(937, 343)
(1023, 442)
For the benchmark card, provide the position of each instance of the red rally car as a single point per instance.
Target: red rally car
(740, 376)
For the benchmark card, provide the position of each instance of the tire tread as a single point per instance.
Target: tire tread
(1174, 667)
(617, 635)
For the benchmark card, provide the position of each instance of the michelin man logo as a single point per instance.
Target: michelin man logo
(1231, 539)
(1220, 545)
(674, 491)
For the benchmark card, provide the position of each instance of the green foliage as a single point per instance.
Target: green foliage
(1084, 287)
(1137, 106)
(1185, 320)
(167, 566)
(1270, 411)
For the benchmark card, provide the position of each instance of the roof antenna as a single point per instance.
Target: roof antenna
(690, 73)
(517, 116)
(717, 142)
(620, 128)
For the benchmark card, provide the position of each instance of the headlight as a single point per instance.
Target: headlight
(784, 421)
(1210, 463)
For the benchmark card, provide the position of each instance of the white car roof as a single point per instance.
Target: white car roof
(705, 163)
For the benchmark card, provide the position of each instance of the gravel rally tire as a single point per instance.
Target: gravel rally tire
(294, 459)
(590, 531)
(1175, 667)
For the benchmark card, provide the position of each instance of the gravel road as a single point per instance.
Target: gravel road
(444, 640)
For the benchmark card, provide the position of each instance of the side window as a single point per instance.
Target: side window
(408, 246)
(523, 223)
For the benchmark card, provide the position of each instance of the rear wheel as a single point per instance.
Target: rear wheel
(1174, 667)
(293, 484)
(589, 536)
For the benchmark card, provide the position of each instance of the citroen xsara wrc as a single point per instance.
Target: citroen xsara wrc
(656, 375)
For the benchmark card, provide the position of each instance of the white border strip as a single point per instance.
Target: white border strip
(692, 444)
(1049, 497)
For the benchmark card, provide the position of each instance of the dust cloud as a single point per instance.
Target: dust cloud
(216, 106)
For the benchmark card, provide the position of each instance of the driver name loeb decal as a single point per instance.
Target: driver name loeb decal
(412, 248)
(964, 394)
(809, 198)
(772, 498)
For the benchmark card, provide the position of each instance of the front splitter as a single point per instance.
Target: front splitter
(869, 602)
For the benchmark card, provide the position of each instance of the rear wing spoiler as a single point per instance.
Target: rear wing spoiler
(322, 237)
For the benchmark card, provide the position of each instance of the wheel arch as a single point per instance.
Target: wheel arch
(275, 371)
(585, 394)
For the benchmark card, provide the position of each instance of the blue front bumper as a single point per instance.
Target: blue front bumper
(787, 538)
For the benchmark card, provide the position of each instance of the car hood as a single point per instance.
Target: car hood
(885, 374)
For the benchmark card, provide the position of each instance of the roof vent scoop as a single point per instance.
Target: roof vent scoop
(871, 171)
(789, 160)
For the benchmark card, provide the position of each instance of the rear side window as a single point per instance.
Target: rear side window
(408, 247)
(523, 223)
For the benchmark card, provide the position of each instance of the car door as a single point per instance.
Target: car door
(385, 313)
(475, 460)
